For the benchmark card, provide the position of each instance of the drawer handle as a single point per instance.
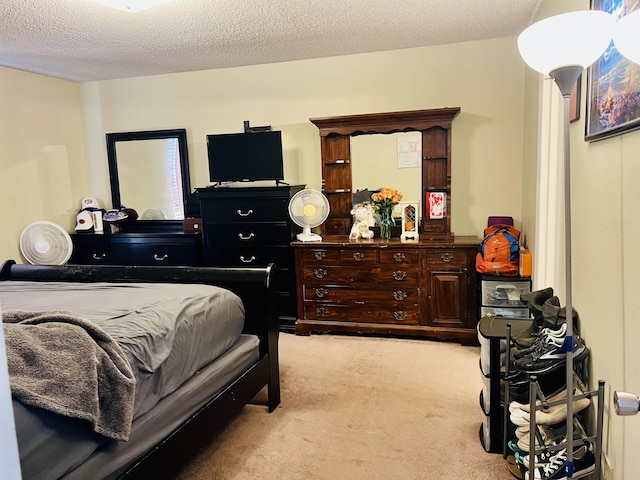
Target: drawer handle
(320, 255)
(399, 295)
(322, 311)
(358, 256)
(446, 257)
(99, 256)
(399, 275)
(399, 257)
(244, 214)
(320, 272)
(320, 292)
(159, 258)
(247, 260)
(400, 315)
(246, 237)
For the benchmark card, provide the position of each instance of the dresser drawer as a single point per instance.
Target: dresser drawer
(320, 256)
(250, 256)
(352, 276)
(399, 257)
(102, 254)
(407, 296)
(357, 256)
(245, 210)
(240, 234)
(163, 254)
(356, 313)
(445, 257)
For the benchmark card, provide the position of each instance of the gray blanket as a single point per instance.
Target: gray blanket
(68, 365)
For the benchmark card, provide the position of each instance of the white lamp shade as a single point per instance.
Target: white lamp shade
(626, 36)
(569, 39)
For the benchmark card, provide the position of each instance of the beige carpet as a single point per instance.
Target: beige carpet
(360, 408)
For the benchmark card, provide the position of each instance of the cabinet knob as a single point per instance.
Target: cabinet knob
(244, 214)
(246, 237)
(446, 257)
(399, 295)
(319, 255)
(399, 315)
(320, 292)
(358, 256)
(98, 256)
(399, 275)
(322, 311)
(399, 257)
(247, 260)
(159, 258)
(320, 272)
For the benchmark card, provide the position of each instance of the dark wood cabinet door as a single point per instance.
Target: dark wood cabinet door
(447, 298)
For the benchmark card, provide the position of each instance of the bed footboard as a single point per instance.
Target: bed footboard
(254, 285)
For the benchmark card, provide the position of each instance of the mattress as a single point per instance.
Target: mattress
(169, 332)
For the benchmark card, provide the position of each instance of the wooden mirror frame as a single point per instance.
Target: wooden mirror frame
(335, 134)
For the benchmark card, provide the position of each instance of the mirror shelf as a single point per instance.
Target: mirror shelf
(335, 142)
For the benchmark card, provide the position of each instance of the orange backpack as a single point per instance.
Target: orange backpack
(499, 251)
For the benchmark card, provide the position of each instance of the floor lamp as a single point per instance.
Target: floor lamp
(562, 47)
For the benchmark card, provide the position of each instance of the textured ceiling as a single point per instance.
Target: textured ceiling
(81, 40)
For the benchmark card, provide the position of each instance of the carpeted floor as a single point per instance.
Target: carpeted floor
(356, 407)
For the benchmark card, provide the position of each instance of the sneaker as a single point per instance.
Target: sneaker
(557, 413)
(550, 358)
(540, 343)
(584, 462)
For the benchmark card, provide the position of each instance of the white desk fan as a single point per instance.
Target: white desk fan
(45, 243)
(308, 208)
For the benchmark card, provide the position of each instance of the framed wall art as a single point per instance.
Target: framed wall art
(613, 96)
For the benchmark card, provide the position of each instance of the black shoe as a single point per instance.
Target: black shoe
(551, 358)
(538, 297)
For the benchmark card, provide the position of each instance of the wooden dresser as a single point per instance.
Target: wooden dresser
(426, 288)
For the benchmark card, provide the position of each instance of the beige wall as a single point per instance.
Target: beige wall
(42, 161)
(487, 135)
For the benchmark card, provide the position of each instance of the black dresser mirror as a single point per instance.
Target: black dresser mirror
(149, 172)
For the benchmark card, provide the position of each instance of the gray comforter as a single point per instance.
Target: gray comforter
(68, 365)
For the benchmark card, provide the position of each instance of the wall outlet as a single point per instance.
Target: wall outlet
(607, 469)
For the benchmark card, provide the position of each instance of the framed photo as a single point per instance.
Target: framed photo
(574, 101)
(613, 98)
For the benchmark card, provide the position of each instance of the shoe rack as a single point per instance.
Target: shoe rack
(539, 403)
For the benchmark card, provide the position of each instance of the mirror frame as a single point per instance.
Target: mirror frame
(180, 134)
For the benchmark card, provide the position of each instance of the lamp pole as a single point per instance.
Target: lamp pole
(566, 78)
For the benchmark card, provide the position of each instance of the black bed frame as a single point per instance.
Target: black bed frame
(255, 287)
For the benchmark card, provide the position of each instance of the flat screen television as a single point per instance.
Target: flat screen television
(245, 157)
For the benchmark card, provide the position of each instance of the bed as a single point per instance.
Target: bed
(215, 348)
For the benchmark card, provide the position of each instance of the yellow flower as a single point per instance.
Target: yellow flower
(385, 200)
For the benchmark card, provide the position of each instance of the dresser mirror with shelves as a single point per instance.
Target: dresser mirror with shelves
(337, 172)
(149, 172)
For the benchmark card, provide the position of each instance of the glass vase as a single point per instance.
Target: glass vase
(386, 221)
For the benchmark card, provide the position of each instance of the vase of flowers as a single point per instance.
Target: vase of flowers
(383, 203)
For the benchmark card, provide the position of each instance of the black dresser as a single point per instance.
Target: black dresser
(165, 248)
(250, 226)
